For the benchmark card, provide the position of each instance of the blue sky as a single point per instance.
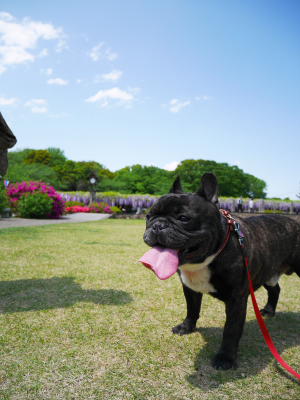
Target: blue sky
(157, 82)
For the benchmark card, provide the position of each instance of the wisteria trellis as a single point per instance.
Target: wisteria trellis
(134, 203)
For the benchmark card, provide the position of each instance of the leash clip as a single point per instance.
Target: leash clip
(239, 233)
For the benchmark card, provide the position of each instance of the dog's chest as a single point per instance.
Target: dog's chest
(197, 276)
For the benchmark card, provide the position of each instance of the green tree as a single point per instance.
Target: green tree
(38, 157)
(68, 175)
(232, 180)
(256, 187)
(75, 175)
(18, 172)
(18, 156)
(143, 179)
(57, 156)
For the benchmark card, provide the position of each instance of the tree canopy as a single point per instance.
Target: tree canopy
(232, 180)
(52, 167)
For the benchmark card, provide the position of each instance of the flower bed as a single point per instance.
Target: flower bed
(117, 202)
(136, 204)
(18, 190)
(93, 208)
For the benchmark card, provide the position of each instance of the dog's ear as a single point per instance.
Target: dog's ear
(176, 187)
(209, 188)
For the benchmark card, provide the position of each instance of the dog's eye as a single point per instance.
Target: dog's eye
(183, 218)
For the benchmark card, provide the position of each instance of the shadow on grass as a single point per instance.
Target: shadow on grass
(254, 354)
(43, 294)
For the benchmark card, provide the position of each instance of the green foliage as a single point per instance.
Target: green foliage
(74, 203)
(18, 156)
(35, 205)
(3, 197)
(52, 167)
(57, 156)
(67, 175)
(115, 209)
(86, 169)
(19, 169)
(273, 212)
(38, 157)
(142, 179)
(19, 172)
(98, 207)
(110, 194)
(232, 180)
(52, 156)
(75, 175)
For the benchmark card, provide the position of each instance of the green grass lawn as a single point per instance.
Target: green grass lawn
(81, 319)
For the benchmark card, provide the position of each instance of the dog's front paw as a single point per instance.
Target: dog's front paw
(267, 311)
(186, 327)
(222, 361)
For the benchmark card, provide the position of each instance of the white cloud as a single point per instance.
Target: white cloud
(114, 75)
(171, 166)
(7, 102)
(47, 71)
(102, 51)
(176, 105)
(37, 106)
(203, 98)
(43, 53)
(6, 16)
(57, 81)
(19, 39)
(95, 52)
(110, 55)
(62, 44)
(134, 90)
(106, 97)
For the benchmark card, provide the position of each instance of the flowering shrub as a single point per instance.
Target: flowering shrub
(3, 197)
(76, 209)
(107, 210)
(74, 203)
(100, 208)
(35, 205)
(115, 209)
(93, 208)
(18, 190)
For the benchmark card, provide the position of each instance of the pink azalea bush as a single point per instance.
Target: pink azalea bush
(18, 190)
(100, 208)
(94, 208)
(76, 209)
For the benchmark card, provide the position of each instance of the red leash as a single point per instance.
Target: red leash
(234, 226)
(264, 328)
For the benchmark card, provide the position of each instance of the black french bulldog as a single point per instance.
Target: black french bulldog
(193, 224)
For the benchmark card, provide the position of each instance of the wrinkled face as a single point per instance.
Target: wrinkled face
(186, 222)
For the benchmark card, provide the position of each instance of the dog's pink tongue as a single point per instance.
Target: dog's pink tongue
(163, 262)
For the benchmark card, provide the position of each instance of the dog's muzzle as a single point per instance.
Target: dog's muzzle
(159, 226)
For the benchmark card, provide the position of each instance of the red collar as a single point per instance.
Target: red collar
(232, 225)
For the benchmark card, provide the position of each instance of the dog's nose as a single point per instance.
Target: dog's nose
(159, 226)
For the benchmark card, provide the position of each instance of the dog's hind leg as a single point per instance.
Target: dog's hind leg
(273, 295)
(193, 303)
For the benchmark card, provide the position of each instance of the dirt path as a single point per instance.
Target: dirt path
(71, 218)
